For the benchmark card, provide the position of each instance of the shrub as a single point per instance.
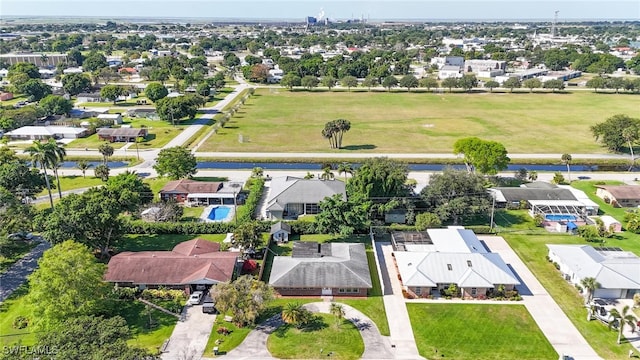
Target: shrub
(556, 265)
(538, 219)
(579, 288)
(636, 299)
(20, 322)
(251, 204)
(180, 228)
(128, 293)
(223, 331)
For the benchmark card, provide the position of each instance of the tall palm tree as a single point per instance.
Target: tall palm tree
(106, 150)
(590, 285)
(566, 159)
(57, 157)
(83, 166)
(630, 135)
(40, 156)
(345, 168)
(327, 174)
(337, 310)
(624, 317)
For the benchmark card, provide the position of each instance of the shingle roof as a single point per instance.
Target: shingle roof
(121, 132)
(517, 194)
(345, 267)
(293, 190)
(622, 191)
(188, 186)
(280, 225)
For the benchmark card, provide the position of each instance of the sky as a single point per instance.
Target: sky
(333, 9)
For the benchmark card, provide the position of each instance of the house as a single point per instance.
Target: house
(290, 197)
(201, 192)
(617, 271)
(430, 261)
(545, 198)
(115, 119)
(328, 269)
(611, 224)
(89, 97)
(280, 232)
(122, 134)
(5, 96)
(191, 265)
(619, 195)
(46, 132)
(486, 68)
(143, 113)
(450, 71)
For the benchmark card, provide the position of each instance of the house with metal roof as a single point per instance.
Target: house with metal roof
(449, 256)
(617, 271)
(46, 132)
(327, 269)
(197, 193)
(290, 197)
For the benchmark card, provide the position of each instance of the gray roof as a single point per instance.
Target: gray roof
(121, 132)
(612, 269)
(517, 194)
(280, 226)
(344, 266)
(292, 190)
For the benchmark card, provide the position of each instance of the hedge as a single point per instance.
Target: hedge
(180, 228)
(253, 200)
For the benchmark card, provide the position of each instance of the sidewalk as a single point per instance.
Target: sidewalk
(18, 272)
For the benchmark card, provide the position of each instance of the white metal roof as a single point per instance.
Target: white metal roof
(45, 130)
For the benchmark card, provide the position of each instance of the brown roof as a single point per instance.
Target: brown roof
(188, 186)
(622, 191)
(121, 132)
(188, 262)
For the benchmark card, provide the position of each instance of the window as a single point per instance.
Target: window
(418, 290)
(474, 291)
(311, 209)
(449, 267)
(348, 291)
(469, 263)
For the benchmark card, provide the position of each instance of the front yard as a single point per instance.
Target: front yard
(461, 331)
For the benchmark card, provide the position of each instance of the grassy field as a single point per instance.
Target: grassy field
(343, 340)
(284, 121)
(532, 250)
(134, 242)
(461, 331)
(73, 182)
(160, 133)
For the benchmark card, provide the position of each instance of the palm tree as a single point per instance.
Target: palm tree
(40, 156)
(295, 314)
(337, 310)
(625, 317)
(566, 159)
(590, 285)
(83, 166)
(102, 172)
(327, 174)
(345, 168)
(630, 135)
(533, 175)
(106, 150)
(57, 157)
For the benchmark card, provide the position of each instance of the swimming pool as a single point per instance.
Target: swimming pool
(560, 217)
(219, 213)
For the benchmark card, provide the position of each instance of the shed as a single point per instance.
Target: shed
(611, 223)
(280, 232)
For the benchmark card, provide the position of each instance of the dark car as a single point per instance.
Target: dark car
(209, 308)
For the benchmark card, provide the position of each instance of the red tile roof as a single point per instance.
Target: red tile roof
(188, 186)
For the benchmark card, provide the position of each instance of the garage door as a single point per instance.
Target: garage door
(607, 293)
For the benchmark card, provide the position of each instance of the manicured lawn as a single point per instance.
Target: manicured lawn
(92, 142)
(16, 305)
(589, 187)
(135, 242)
(461, 331)
(191, 213)
(532, 250)
(145, 336)
(160, 133)
(283, 121)
(14, 252)
(343, 340)
(74, 182)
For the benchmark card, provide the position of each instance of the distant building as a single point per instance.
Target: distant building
(39, 60)
(486, 68)
(47, 132)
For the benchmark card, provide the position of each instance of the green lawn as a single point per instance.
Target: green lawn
(74, 182)
(160, 133)
(91, 142)
(343, 340)
(461, 331)
(532, 250)
(589, 187)
(14, 252)
(283, 121)
(139, 242)
(16, 305)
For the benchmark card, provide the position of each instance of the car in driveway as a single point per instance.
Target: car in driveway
(195, 298)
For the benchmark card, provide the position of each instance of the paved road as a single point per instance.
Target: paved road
(556, 326)
(54, 194)
(190, 336)
(18, 272)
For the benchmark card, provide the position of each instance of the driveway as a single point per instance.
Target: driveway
(190, 336)
(11, 279)
(555, 325)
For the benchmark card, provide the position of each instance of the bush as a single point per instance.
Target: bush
(557, 266)
(164, 294)
(125, 293)
(251, 204)
(302, 227)
(20, 322)
(481, 229)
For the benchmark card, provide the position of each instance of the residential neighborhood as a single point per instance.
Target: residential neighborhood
(319, 187)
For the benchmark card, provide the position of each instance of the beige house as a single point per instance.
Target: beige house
(619, 195)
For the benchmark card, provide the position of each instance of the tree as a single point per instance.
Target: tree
(112, 92)
(176, 163)
(334, 131)
(129, 191)
(21, 180)
(341, 217)
(615, 83)
(428, 83)
(631, 134)
(486, 157)
(632, 219)
(557, 178)
(248, 236)
(103, 338)
(74, 84)
(290, 80)
(295, 314)
(245, 298)
(36, 89)
(75, 56)
(230, 60)
(28, 69)
(450, 83)
(553, 85)
(589, 284)
(57, 154)
(91, 218)
(56, 105)
(309, 82)
(259, 73)
(491, 84)
(68, 283)
(389, 82)
(409, 82)
(329, 81)
(456, 195)
(349, 82)
(623, 318)
(512, 83)
(345, 168)
(327, 174)
(83, 166)
(369, 82)
(566, 159)
(94, 61)
(15, 216)
(40, 155)
(596, 83)
(379, 178)
(532, 84)
(176, 108)
(337, 310)
(107, 151)
(102, 172)
(610, 131)
(468, 82)
(533, 175)
(427, 220)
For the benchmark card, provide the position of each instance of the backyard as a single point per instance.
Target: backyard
(277, 120)
(473, 331)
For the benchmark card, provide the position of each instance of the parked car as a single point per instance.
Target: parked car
(209, 308)
(195, 298)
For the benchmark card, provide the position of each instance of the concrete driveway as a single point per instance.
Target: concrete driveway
(190, 336)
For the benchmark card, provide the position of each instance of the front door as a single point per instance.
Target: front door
(326, 292)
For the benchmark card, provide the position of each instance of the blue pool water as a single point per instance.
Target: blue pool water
(219, 213)
(566, 217)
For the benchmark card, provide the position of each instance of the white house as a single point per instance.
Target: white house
(450, 71)
(617, 271)
(115, 119)
(46, 132)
